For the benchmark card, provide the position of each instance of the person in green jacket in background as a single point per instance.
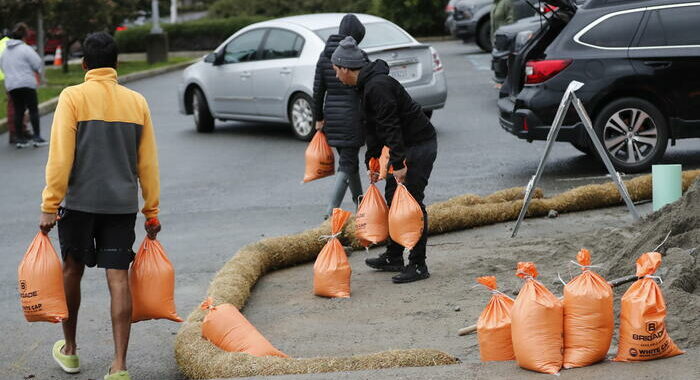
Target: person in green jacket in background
(502, 13)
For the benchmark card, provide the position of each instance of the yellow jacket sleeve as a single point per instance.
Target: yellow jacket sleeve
(61, 154)
(149, 176)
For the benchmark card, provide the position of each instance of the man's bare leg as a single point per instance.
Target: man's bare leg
(118, 281)
(72, 274)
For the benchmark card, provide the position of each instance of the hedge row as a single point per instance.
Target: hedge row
(204, 34)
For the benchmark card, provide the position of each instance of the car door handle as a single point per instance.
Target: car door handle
(245, 74)
(285, 71)
(658, 64)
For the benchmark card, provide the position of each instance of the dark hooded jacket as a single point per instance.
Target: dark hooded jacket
(335, 102)
(392, 117)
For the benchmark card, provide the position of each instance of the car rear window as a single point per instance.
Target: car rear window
(614, 32)
(377, 34)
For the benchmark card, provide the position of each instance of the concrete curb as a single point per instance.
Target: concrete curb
(50, 105)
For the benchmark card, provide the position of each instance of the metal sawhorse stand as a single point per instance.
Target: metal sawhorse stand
(569, 99)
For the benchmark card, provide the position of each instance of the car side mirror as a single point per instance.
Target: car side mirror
(216, 58)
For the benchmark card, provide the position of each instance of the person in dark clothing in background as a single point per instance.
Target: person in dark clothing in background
(394, 119)
(337, 109)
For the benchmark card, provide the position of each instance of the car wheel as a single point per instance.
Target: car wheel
(583, 148)
(633, 132)
(301, 115)
(203, 120)
(483, 36)
(428, 113)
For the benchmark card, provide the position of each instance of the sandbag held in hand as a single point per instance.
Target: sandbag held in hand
(406, 221)
(229, 330)
(40, 280)
(493, 327)
(372, 218)
(643, 334)
(332, 270)
(320, 161)
(537, 324)
(588, 316)
(152, 283)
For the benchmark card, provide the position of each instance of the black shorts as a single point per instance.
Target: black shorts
(104, 240)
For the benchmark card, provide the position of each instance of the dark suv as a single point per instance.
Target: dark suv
(640, 62)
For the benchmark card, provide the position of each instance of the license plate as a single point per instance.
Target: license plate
(399, 73)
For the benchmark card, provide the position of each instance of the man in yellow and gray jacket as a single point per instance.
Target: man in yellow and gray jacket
(102, 147)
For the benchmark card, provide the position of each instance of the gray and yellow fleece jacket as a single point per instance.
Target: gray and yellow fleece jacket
(102, 146)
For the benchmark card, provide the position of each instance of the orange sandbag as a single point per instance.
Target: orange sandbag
(320, 161)
(229, 330)
(537, 324)
(40, 277)
(588, 316)
(643, 334)
(493, 326)
(372, 218)
(332, 270)
(152, 283)
(406, 222)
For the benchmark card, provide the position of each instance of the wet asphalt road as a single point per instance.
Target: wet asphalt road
(223, 190)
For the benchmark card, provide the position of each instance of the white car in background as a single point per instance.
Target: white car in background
(265, 71)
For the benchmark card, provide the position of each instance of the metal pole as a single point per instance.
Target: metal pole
(578, 105)
(156, 29)
(551, 138)
(40, 37)
(173, 11)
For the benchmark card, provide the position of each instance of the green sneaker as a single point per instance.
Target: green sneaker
(121, 375)
(69, 363)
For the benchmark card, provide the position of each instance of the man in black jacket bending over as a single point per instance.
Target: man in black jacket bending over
(394, 119)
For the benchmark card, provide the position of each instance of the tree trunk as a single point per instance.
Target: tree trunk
(64, 52)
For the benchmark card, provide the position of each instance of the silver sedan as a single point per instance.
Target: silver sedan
(265, 71)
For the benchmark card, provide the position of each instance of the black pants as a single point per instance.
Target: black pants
(25, 98)
(348, 159)
(419, 164)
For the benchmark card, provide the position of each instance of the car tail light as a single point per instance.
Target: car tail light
(121, 28)
(546, 8)
(449, 8)
(525, 127)
(540, 71)
(437, 62)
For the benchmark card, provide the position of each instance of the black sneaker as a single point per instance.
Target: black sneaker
(411, 272)
(386, 263)
(21, 143)
(38, 141)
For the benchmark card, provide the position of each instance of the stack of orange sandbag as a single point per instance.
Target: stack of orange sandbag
(643, 334)
(588, 316)
(372, 218)
(332, 270)
(537, 324)
(152, 283)
(320, 161)
(229, 330)
(40, 277)
(493, 327)
(406, 221)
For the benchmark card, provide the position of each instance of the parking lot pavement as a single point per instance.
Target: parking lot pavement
(226, 189)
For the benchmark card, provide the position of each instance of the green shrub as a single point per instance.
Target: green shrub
(280, 8)
(418, 17)
(204, 34)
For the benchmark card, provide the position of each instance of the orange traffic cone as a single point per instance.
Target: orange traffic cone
(58, 57)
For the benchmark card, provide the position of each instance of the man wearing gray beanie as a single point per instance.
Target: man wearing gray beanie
(395, 120)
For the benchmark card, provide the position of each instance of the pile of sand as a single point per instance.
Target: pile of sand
(679, 269)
